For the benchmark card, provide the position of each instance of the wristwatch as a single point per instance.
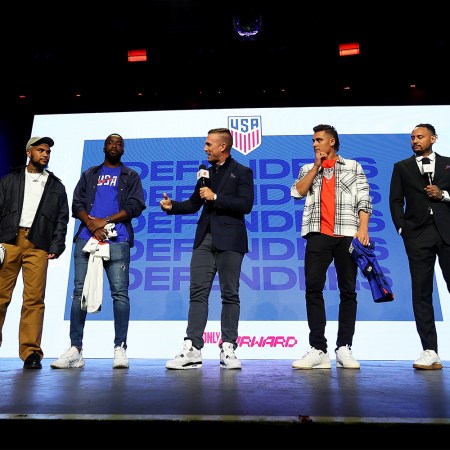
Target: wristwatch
(107, 219)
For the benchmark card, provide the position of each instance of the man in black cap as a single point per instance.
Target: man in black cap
(33, 226)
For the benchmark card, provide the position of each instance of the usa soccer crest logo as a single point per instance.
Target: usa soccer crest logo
(246, 132)
(328, 172)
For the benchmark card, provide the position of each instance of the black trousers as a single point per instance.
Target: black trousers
(321, 250)
(422, 252)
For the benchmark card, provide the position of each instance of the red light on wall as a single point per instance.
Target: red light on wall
(349, 49)
(137, 55)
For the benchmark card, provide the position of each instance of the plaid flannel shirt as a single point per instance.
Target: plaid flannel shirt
(352, 196)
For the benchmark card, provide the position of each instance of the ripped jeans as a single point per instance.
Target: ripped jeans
(117, 270)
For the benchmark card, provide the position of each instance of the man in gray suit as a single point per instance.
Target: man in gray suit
(219, 247)
(420, 208)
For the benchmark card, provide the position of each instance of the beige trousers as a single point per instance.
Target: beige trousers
(23, 255)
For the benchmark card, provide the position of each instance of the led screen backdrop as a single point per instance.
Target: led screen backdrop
(166, 148)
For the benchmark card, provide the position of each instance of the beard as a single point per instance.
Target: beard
(37, 165)
(113, 159)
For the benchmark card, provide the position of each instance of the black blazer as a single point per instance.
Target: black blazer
(409, 203)
(225, 216)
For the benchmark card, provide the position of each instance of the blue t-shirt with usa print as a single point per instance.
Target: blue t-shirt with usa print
(106, 202)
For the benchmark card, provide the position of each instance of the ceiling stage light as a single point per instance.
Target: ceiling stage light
(349, 49)
(137, 55)
(247, 25)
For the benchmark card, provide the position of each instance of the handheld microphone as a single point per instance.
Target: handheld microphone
(202, 175)
(427, 170)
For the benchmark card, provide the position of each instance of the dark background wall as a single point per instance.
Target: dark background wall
(71, 61)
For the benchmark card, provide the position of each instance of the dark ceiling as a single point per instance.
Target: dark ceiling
(76, 60)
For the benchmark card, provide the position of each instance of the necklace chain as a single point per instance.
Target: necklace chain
(35, 180)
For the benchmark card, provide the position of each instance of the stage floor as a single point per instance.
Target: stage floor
(267, 404)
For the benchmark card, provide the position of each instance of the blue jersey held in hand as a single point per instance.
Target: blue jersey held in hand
(365, 258)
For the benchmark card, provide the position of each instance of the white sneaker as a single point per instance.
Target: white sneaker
(71, 359)
(345, 359)
(188, 358)
(313, 359)
(228, 359)
(428, 360)
(120, 358)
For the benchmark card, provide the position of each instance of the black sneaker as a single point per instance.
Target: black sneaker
(33, 361)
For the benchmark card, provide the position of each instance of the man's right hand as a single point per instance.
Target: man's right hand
(320, 157)
(166, 203)
(94, 224)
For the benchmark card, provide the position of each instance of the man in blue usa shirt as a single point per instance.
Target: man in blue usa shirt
(110, 193)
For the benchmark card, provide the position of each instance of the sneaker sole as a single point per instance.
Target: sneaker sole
(342, 366)
(224, 366)
(320, 366)
(435, 366)
(74, 364)
(68, 367)
(187, 367)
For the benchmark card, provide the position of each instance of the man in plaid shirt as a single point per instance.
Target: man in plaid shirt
(337, 209)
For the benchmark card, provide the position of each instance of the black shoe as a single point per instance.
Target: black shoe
(33, 361)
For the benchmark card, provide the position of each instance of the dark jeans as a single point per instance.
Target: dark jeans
(117, 270)
(321, 250)
(205, 263)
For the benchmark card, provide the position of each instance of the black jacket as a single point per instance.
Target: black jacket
(49, 228)
(225, 216)
(410, 205)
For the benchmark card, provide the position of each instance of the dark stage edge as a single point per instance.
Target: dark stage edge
(266, 405)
